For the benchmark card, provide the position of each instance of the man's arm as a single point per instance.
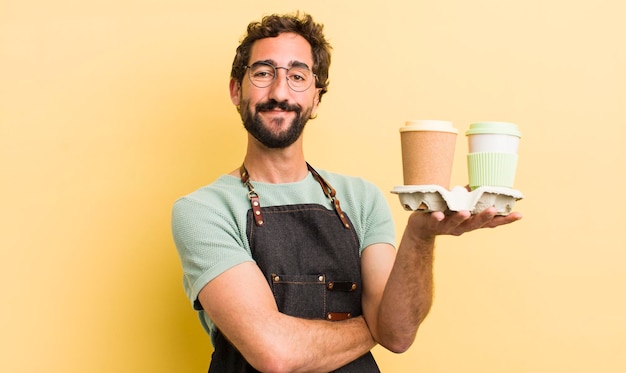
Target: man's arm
(397, 294)
(242, 306)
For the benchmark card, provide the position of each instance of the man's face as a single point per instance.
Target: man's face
(276, 115)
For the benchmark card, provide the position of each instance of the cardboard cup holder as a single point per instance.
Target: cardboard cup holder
(429, 198)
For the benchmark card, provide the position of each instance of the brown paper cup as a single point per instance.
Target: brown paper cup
(428, 152)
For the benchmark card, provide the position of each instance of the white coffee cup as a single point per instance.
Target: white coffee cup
(492, 158)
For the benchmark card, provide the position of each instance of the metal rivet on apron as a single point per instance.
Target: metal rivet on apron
(276, 278)
(255, 203)
(257, 212)
(321, 278)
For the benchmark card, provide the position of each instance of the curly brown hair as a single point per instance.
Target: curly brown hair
(275, 24)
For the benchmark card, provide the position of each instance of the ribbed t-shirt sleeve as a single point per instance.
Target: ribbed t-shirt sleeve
(376, 218)
(208, 241)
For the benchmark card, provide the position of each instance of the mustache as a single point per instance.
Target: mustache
(273, 104)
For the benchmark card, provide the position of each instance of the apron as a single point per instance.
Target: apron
(310, 258)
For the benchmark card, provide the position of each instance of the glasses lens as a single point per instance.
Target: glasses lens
(262, 74)
(299, 78)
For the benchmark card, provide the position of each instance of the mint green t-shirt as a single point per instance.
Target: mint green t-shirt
(209, 225)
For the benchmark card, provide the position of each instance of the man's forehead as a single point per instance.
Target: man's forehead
(286, 49)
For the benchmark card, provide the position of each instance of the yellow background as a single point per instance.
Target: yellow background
(110, 110)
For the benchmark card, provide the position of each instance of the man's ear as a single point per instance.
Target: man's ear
(235, 92)
(316, 101)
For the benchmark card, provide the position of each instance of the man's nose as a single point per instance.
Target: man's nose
(279, 89)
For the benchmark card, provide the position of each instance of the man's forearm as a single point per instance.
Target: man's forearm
(242, 306)
(302, 345)
(407, 298)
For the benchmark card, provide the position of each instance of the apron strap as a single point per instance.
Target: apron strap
(252, 196)
(328, 190)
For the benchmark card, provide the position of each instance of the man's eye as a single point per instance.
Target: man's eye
(298, 75)
(263, 74)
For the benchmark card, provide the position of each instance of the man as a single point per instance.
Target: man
(284, 276)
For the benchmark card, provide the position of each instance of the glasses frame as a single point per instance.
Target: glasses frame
(276, 68)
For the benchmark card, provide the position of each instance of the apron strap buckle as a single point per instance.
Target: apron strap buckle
(252, 196)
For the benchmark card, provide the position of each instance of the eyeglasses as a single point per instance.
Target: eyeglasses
(262, 75)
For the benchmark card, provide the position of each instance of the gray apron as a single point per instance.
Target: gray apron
(310, 258)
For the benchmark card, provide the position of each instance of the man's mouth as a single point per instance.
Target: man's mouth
(273, 106)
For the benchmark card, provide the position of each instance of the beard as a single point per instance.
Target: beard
(274, 139)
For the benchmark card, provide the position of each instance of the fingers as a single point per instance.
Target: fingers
(503, 220)
(450, 223)
(460, 222)
(484, 218)
(467, 222)
(488, 218)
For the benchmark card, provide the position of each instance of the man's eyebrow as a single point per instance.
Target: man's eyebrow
(294, 63)
(269, 62)
(299, 64)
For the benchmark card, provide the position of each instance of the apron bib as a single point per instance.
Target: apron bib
(310, 258)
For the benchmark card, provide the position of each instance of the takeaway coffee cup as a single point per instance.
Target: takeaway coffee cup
(492, 157)
(427, 152)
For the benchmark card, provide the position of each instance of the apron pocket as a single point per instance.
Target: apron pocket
(300, 295)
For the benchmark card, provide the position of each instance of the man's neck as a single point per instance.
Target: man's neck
(277, 166)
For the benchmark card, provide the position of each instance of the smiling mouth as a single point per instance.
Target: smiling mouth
(276, 112)
(274, 106)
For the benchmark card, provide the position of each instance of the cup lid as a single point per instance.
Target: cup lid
(501, 128)
(429, 125)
